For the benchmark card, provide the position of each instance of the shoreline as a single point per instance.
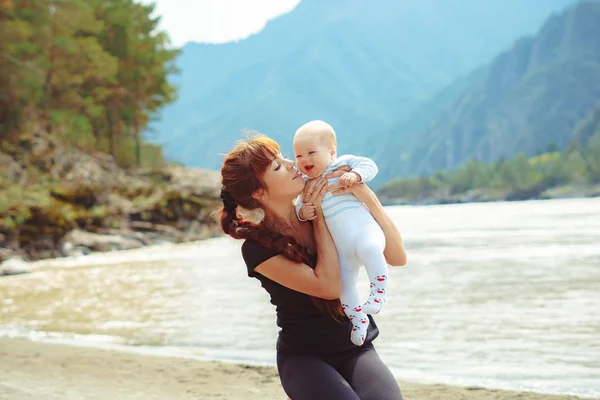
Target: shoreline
(29, 264)
(33, 370)
(466, 198)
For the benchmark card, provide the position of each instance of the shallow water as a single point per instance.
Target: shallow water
(502, 295)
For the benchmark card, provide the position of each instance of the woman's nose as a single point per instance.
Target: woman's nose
(290, 164)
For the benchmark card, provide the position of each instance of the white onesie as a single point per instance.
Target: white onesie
(359, 241)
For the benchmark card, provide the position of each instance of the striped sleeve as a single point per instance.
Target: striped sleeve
(365, 167)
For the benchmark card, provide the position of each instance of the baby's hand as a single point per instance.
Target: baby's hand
(308, 212)
(349, 178)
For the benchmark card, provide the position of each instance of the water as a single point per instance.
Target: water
(502, 295)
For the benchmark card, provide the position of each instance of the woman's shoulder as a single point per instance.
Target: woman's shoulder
(255, 253)
(251, 246)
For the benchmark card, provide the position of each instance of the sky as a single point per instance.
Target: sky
(216, 21)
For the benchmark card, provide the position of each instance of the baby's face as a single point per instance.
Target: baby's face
(313, 155)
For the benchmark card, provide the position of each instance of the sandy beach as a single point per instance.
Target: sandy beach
(36, 370)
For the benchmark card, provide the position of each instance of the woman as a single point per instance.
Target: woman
(297, 263)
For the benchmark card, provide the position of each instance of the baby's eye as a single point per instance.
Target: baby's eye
(311, 152)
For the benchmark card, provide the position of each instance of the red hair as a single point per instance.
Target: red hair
(242, 175)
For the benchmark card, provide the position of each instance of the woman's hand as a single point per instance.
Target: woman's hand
(362, 192)
(314, 190)
(338, 173)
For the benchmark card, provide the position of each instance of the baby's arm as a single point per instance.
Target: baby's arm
(363, 170)
(305, 211)
(299, 205)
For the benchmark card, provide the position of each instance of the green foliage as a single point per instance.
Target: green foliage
(126, 154)
(91, 72)
(518, 175)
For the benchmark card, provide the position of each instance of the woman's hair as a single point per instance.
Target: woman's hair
(242, 175)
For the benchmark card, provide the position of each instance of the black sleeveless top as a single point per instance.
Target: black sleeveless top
(304, 328)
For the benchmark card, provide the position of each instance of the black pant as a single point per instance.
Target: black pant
(356, 375)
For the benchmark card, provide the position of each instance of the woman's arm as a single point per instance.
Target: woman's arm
(395, 253)
(328, 264)
(324, 280)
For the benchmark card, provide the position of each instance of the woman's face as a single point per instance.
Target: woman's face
(282, 179)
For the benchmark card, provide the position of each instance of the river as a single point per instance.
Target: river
(501, 295)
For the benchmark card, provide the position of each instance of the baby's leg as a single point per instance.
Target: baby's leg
(370, 254)
(351, 300)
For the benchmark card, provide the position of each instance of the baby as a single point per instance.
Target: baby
(358, 238)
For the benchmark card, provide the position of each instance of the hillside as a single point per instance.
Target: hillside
(573, 172)
(79, 82)
(529, 98)
(587, 132)
(359, 65)
(57, 200)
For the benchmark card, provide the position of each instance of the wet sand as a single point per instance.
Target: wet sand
(36, 370)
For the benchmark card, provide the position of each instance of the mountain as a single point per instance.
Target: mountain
(360, 66)
(587, 132)
(528, 98)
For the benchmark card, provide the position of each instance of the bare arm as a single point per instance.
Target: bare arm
(395, 253)
(323, 281)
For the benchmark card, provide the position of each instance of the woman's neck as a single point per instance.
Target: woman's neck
(284, 220)
(282, 216)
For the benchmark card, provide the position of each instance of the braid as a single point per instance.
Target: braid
(273, 240)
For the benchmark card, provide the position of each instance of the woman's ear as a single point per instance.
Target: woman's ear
(259, 195)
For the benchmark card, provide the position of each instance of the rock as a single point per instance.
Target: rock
(14, 266)
(81, 194)
(40, 233)
(78, 202)
(66, 163)
(68, 249)
(139, 236)
(78, 240)
(11, 169)
(200, 182)
(5, 254)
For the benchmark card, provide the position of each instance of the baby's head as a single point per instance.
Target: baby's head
(314, 147)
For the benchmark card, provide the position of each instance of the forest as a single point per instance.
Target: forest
(92, 73)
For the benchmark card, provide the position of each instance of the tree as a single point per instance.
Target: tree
(21, 75)
(94, 72)
(576, 166)
(145, 62)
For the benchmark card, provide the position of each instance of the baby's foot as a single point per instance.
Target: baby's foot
(374, 304)
(377, 296)
(375, 301)
(359, 329)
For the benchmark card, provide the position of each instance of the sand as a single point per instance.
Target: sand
(48, 371)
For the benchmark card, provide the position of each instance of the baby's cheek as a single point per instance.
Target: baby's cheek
(323, 164)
